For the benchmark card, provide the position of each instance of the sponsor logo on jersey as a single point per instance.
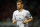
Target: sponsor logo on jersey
(23, 15)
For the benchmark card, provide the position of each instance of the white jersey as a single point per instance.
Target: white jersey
(20, 16)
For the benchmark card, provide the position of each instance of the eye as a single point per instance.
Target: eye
(18, 4)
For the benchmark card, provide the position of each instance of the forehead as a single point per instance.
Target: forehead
(18, 2)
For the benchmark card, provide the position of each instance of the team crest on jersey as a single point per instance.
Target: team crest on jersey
(16, 15)
(23, 15)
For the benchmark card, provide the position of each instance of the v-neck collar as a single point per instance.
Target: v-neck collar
(21, 11)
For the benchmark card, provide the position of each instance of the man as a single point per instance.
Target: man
(21, 17)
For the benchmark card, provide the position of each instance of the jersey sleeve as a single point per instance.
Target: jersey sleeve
(28, 14)
(13, 17)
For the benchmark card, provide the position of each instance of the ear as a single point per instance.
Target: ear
(22, 5)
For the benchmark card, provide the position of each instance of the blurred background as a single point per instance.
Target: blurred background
(7, 7)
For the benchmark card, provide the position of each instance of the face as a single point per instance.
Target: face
(19, 5)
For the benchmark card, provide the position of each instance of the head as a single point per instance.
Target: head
(19, 4)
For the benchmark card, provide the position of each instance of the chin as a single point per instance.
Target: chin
(18, 8)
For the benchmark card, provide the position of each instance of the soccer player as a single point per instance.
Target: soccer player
(21, 17)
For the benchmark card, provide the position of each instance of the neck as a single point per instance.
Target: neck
(20, 10)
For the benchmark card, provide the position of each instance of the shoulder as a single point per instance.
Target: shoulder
(15, 11)
(26, 11)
